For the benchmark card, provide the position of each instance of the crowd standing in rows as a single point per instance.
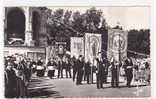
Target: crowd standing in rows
(19, 69)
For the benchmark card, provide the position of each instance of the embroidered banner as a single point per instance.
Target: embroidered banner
(50, 52)
(92, 46)
(117, 44)
(77, 46)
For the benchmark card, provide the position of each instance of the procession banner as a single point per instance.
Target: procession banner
(117, 44)
(93, 44)
(50, 52)
(60, 48)
(77, 46)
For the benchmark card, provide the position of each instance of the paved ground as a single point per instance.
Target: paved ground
(44, 87)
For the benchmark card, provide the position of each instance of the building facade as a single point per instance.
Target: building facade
(27, 24)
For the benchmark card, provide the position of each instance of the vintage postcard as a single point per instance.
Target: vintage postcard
(77, 52)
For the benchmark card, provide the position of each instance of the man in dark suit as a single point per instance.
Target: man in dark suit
(100, 70)
(80, 64)
(67, 64)
(128, 67)
(115, 73)
(87, 71)
(60, 68)
(74, 65)
(105, 73)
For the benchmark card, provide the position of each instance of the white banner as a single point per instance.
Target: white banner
(117, 44)
(93, 44)
(50, 52)
(77, 46)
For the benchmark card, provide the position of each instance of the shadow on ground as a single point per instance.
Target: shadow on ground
(37, 89)
(44, 93)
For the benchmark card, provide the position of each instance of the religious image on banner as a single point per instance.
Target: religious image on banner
(77, 46)
(92, 46)
(117, 44)
(60, 47)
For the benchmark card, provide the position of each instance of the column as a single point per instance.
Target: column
(42, 33)
(28, 27)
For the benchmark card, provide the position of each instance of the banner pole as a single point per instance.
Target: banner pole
(84, 57)
(92, 73)
(119, 59)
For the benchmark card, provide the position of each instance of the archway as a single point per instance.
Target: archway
(16, 24)
(36, 27)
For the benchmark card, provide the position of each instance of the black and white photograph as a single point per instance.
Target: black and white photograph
(77, 52)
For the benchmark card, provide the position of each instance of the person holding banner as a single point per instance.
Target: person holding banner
(99, 72)
(87, 71)
(60, 68)
(105, 73)
(80, 64)
(128, 66)
(67, 67)
(115, 72)
(74, 65)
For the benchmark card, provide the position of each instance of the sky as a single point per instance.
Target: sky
(129, 17)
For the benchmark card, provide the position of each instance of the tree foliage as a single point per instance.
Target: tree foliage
(139, 40)
(71, 24)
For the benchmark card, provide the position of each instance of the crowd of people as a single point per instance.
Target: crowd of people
(133, 69)
(19, 69)
(17, 75)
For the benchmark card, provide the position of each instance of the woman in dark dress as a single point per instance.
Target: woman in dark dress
(21, 80)
(10, 81)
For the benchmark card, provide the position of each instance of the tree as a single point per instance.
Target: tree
(93, 19)
(67, 24)
(139, 41)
